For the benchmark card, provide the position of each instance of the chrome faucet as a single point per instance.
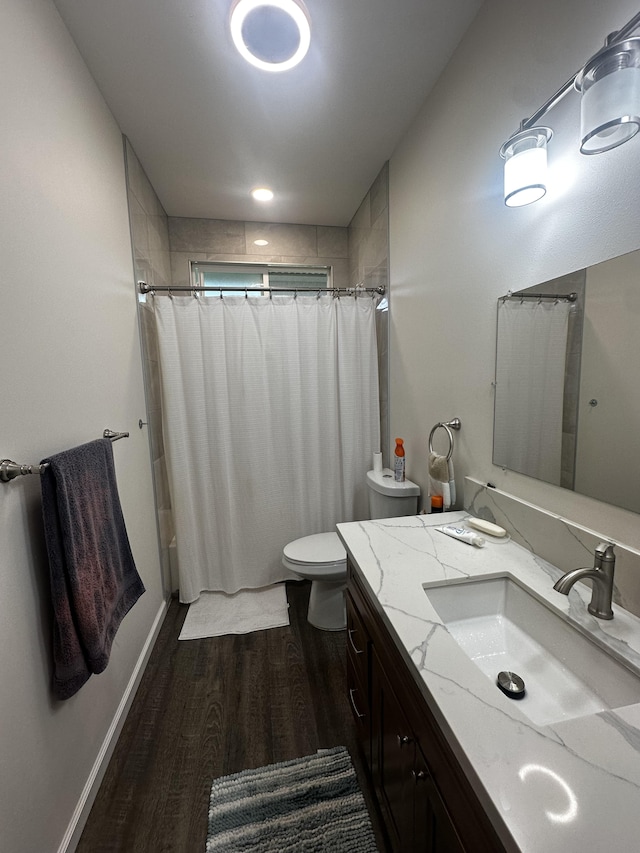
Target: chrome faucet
(601, 576)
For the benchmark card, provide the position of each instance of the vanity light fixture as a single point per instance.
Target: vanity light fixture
(273, 35)
(525, 166)
(610, 103)
(609, 85)
(262, 194)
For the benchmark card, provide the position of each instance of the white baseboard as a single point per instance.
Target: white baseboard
(90, 790)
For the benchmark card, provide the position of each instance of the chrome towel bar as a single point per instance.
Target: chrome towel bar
(10, 470)
(447, 426)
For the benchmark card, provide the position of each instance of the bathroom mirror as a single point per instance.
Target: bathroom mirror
(567, 401)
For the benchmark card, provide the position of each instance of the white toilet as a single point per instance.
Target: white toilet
(322, 559)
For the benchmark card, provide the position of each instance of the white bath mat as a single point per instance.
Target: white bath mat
(216, 613)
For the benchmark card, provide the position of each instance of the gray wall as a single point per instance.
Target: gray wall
(70, 366)
(151, 256)
(455, 247)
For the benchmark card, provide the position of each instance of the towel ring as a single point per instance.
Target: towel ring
(448, 426)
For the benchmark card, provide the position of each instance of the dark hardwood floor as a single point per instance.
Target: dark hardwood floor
(206, 708)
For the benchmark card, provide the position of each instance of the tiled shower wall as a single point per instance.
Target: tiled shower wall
(150, 241)
(369, 265)
(228, 240)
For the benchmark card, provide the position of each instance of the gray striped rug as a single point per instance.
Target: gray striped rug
(310, 804)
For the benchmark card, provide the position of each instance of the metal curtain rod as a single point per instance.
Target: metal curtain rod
(143, 287)
(568, 297)
(621, 34)
(10, 470)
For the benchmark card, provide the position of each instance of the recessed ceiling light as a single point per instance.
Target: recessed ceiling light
(260, 242)
(262, 194)
(273, 35)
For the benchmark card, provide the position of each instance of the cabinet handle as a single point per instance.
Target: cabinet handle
(403, 740)
(419, 775)
(353, 704)
(350, 634)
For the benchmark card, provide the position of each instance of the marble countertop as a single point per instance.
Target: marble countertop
(570, 786)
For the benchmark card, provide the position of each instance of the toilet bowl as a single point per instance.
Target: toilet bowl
(322, 559)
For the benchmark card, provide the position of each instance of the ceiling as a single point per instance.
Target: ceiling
(208, 127)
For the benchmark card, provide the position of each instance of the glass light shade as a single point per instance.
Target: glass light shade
(525, 166)
(610, 103)
(298, 15)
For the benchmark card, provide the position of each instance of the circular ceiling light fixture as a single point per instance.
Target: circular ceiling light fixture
(273, 35)
(261, 242)
(262, 194)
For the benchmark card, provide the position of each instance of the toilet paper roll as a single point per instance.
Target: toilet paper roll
(377, 461)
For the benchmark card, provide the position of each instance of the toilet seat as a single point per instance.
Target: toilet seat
(320, 555)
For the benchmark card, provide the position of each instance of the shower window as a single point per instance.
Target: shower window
(256, 279)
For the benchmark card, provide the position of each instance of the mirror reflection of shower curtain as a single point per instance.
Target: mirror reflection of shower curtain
(530, 375)
(270, 419)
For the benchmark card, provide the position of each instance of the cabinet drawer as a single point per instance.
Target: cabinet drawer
(359, 700)
(358, 663)
(357, 640)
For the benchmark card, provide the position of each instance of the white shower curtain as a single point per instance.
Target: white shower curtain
(270, 418)
(530, 375)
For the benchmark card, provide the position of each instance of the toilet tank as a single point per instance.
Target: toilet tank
(389, 499)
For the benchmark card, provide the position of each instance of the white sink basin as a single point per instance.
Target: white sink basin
(501, 626)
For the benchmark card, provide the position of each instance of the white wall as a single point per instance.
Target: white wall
(455, 247)
(69, 367)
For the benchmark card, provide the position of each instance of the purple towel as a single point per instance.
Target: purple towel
(94, 581)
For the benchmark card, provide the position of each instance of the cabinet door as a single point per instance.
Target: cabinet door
(434, 829)
(393, 754)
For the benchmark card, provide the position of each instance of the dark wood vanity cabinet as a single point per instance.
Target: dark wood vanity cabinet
(426, 800)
